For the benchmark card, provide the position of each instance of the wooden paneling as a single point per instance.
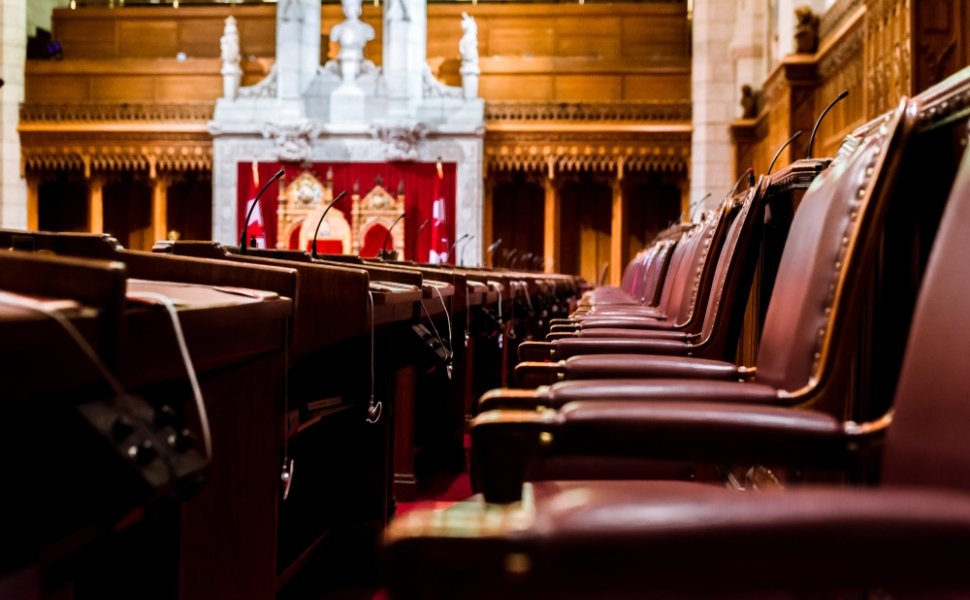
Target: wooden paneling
(149, 38)
(657, 86)
(130, 80)
(554, 52)
(185, 89)
(517, 87)
(868, 48)
(588, 88)
(59, 88)
(161, 31)
(941, 40)
(841, 67)
(119, 88)
(888, 54)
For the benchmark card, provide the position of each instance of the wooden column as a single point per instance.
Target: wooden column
(96, 205)
(617, 230)
(685, 200)
(160, 209)
(33, 202)
(550, 245)
(488, 229)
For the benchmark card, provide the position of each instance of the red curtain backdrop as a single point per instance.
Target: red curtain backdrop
(373, 238)
(419, 187)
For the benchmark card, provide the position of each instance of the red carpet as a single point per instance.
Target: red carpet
(443, 491)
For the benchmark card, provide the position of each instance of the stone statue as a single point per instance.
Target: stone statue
(231, 71)
(352, 35)
(806, 30)
(468, 48)
(749, 102)
(468, 45)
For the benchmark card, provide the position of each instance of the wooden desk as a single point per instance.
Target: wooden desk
(226, 542)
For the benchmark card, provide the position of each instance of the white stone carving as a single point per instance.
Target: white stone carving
(264, 89)
(434, 88)
(349, 111)
(352, 34)
(231, 71)
(400, 141)
(468, 48)
(293, 141)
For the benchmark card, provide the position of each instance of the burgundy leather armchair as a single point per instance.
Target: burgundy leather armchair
(723, 313)
(833, 237)
(627, 539)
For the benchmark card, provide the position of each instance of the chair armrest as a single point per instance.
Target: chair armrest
(514, 399)
(530, 375)
(535, 351)
(702, 431)
(635, 539)
(654, 389)
(606, 431)
(637, 334)
(619, 366)
(626, 322)
(563, 349)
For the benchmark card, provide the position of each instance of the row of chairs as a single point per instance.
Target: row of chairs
(575, 475)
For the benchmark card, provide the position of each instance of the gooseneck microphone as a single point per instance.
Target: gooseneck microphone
(510, 258)
(244, 234)
(451, 250)
(748, 174)
(491, 250)
(463, 246)
(385, 254)
(316, 231)
(811, 140)
(414, 239)
(780, 150)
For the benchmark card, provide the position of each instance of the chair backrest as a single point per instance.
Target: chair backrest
(651, 284)
(928, 442)
(707, 255)
(629, 273)
(834, 227)
(682, 289)
(736, 263)
(678, 255)
(634, 271)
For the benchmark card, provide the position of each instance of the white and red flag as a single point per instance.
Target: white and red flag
(255, 230)
(439, 223)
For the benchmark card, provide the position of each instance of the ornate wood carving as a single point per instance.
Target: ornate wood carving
(888, 66)
(61, 112)
(378, 208)
(553, 154)
(940, 34)
(589, 111)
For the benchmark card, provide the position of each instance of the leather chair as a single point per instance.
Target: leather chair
(689, 278)
(876, 240)
(909, 533)
(642, 280)
(807, 355)
(833, 231)
(720, 326)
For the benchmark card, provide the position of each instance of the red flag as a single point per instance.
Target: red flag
(439, 223)
(255, 229)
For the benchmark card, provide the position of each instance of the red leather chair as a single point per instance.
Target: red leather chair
(690, 273)
(910, 533)
(831, 236)
(723, 313)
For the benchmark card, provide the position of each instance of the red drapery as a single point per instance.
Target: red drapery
(419, 187)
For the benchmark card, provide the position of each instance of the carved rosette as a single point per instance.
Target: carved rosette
(291, 141)
(400, 142)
